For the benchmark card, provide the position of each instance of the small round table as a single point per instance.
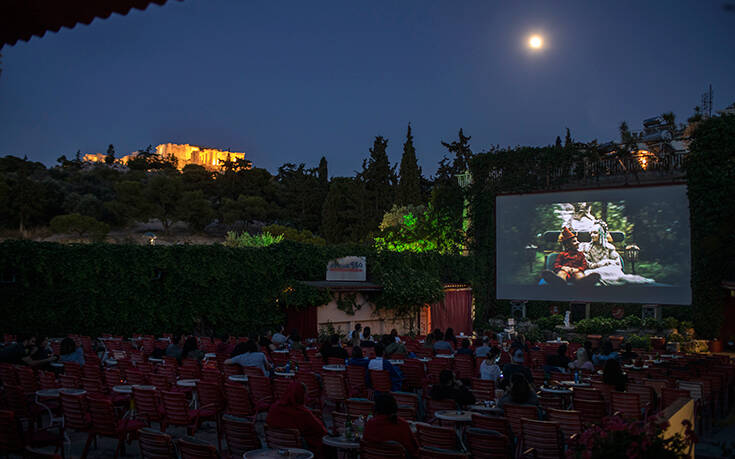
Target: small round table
(56, 365)
(445, 356)
(210, 355)
(334, 368)
(46, 394)
(350, 447)
(396, 362)
(155, 360)
(488, 409)
(238, 378)
(110, 362)
(193, 384)
(574, 384)
(123, 389)
(460, 418)
(285, 374)
(268, 453)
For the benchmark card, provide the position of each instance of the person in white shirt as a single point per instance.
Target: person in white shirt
(489, 369)
(358, 330)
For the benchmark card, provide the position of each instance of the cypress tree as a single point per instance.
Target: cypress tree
(409, 184)
(379, 179)
(110, 158)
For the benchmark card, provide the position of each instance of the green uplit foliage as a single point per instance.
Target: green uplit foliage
(416, 229)
(80, 225)
(251, 240)
(292, 234)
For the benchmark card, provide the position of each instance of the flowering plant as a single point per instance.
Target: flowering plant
(617, 437)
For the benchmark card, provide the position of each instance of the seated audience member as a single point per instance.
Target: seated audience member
(379, 363)
(582, 362)
(558, 361)
(332, 348)
(516, 366)
(387, 426)
(250, 357)
(465, 349)
(191, 350)
(613, 375)
(42, 350)
(440, 344)
(367, 339)
(392, 346)
(279, 337)
(176, 347)
(358, 359)
(225, 347)
(394, 335)
(69, 352)
(428, 342)
(21, 352)
(605, 354)
(356, 332)
(451, 389)
(450, 338)
(628, 355)
(483, 350)
(290, 413)
(519, 342)
(489, 368)
(588, 348)
(294, 341)
(520, 392)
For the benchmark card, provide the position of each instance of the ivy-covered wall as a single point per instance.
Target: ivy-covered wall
(92, 288)
(710, 168)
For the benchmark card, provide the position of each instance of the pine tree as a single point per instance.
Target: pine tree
(110, 158)
(323, 172)
(462, 153)
(557, 144)
(568, 139)
(378, 178)
(409, 184)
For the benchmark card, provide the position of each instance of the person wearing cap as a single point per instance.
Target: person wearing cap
(516, 366)
(569, 265)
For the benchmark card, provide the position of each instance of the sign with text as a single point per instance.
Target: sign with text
(347, 269)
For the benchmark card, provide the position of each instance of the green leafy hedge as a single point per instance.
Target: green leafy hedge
(92, 288)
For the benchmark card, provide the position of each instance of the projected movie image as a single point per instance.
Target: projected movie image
(624, 245)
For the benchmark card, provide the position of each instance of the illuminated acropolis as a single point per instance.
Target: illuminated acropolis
(210, 158)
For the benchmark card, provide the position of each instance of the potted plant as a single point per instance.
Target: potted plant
(670, 325)
(675, 342)
(715, 345)
(616, 341)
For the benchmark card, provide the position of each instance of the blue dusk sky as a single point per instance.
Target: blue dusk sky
(290, 81)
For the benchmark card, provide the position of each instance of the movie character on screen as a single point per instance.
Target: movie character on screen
(581, 218)
(603, 258)
(570, 265)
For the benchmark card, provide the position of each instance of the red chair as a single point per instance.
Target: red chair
(487, 443)
(380, 380)
(359, 407)
(356, 381)
(74, 409)
(605, 390)
(193, 448)
(334, 387)
(8, 374)
(73, 369)
(587, 393)
(90, 370)
(280, 387)
(432, 406)
(176, 412)
(550, 401)
(436, 436)
(252, 371)
(339, 422)
(262, 392)
(569, 421)
(69, 382)
(426, 453)
(627, 405)
(104, 423)
(231, 369)
(313, 389)
(464, 366)
(282, 438)
(408, 404)
(669, 396)
(147, 404)
(383, 450)
(413, 374)
(13, 439)
(496, 423)
(240, 435)
(647, 396)
(238, 401)
(189, 369)
(592, 411)
(483, 389)
(47, 380)
(515, 413)
(27, 380)
(541, 439)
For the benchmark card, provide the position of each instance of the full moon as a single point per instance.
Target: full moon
(535, 42)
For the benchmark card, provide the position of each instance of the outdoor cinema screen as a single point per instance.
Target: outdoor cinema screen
(618, 245)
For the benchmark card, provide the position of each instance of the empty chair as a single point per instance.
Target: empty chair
(240, 435)
(74, 409)
(147, 404)
(261, 390)
(483, 389)
(193, 448)
(238, 401)
(359, 407)
(380, 380)
(277, 438)
(669, 396)
(515, 413)
(587, 393)
(541, 439)
(313, 389)
(408, 404)
(280, 386)
(496, 423)
(550, 401)
(413, 374)
(569, 421)
(176, 412)
(647, 396)
(435, 436)
(104, 423)
(375, 450)
(487, 443)
(592, 411)
(626, 404)
(334, 387)
(432, 406)
(431, 453)
(339, 422)
(356, 381)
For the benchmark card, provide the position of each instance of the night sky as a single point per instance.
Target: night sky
(291, 81)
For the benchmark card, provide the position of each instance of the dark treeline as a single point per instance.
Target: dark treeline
(74, 196)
